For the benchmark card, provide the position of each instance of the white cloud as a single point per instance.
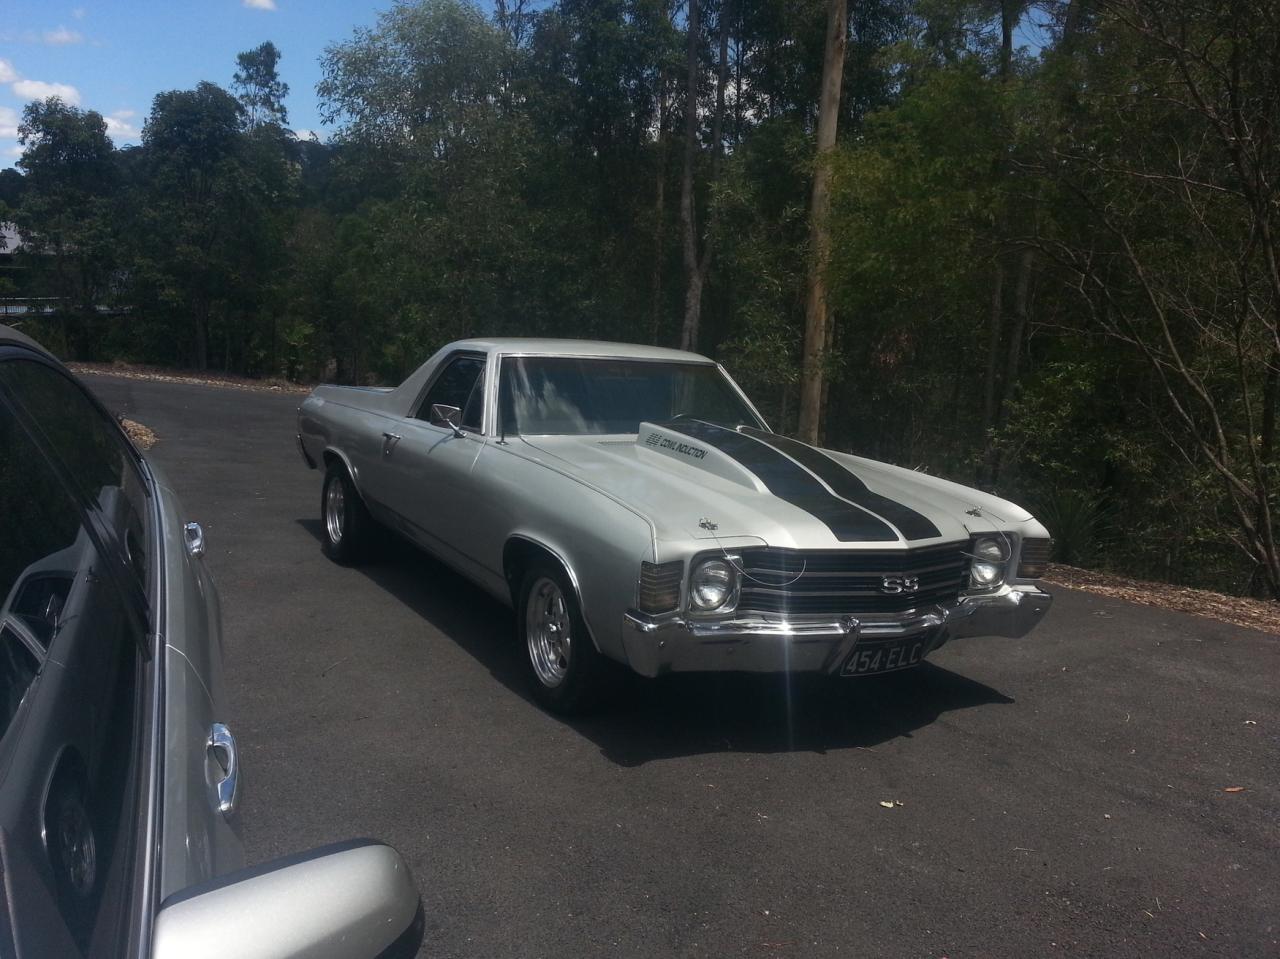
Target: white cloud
(14, 151)
(61, 37)
(308, 135)
(8, 123)
(78, 13)
(39, 90)
(7, 73)
(120, 127)
(260, 4)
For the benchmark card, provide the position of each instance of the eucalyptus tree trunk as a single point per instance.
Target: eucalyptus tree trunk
(991, 385)
(659, 212)
(819, 322)
(697, 263)
(688, 220)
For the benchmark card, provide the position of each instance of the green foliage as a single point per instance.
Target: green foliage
(1081, 524)
(65, 213)
(1014, 232)
(258, 85)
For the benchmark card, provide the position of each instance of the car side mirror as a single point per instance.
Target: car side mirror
(354, 900)
(449, 416)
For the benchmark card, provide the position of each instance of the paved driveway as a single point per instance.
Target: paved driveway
(1060, 795)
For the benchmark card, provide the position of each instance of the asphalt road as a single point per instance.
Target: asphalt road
(1059, 795)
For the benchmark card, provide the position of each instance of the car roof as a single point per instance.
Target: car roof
(11, 337)
(558, 347)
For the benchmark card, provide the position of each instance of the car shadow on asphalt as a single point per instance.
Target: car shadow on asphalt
(690, 714)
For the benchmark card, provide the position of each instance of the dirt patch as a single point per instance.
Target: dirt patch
(1252, 613)
(134, 371)
(143, 436)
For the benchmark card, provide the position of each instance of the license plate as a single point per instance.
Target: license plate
(885, 657)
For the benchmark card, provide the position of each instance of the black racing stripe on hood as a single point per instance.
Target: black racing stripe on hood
(847, 485)
(792, 483)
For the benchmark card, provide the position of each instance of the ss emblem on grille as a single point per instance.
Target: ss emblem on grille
(899, 584)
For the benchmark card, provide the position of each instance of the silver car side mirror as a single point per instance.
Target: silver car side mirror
(350, 901)
(449, 416)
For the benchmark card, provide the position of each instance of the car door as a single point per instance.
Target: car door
(75, 547)
(428, 467)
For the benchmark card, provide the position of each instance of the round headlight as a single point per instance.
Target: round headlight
(711, 585)
(985, 574)
(990, 549)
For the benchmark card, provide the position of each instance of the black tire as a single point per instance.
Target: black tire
(570, 679)
(346, 527)
(72, 843)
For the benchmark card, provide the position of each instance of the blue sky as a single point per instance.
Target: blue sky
(113, 56)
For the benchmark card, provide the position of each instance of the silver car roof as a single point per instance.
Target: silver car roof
(558, 347)
(9, 335)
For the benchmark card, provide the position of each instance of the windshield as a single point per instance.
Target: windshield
(581, 395)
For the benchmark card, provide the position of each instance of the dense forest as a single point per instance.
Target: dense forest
(1029, 246)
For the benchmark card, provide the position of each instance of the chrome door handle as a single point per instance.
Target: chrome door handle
(193, 536)
(389, 441)
(221, 751)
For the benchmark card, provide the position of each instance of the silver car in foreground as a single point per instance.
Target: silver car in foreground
(634, 508)
(119, 778)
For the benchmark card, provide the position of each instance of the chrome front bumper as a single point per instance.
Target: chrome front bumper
(661, 644)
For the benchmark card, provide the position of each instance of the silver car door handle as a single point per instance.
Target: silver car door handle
(389, 441)
(226, 766)
(193, 536)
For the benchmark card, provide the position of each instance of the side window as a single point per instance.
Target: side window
(70, 655)
(39, 532)
(91, 448)
(460, 384)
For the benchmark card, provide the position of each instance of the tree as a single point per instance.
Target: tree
(698, 250)
(819, 323)
(204, 205)
(259, 88)
(423, 81)
(65, 213)
(1177, 257)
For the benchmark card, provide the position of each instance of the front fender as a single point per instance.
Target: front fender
(601, 552)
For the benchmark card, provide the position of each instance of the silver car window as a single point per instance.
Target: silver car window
(70, 653)
(460, 384)
(92, 449)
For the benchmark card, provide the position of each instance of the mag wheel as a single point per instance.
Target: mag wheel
(566, 673)
(72, 844)
(347, 523)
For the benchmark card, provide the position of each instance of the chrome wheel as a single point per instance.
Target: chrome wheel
(548, 632)
(335, 510)
(77, 848)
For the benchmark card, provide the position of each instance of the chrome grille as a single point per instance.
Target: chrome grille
(660, 586)
(841, 582)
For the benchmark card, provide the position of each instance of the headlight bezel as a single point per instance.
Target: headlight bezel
(989, 557)
(727, 566)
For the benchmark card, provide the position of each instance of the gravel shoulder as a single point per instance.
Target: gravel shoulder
(133, 371)
(1258, 614)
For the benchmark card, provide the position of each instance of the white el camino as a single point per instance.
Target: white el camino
(634, 508)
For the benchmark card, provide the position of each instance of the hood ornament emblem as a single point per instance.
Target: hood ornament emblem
(708, 525)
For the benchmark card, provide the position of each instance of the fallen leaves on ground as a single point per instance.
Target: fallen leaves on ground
(1238, 610)
(1234, 789)
(132, 371)
(143, 436)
